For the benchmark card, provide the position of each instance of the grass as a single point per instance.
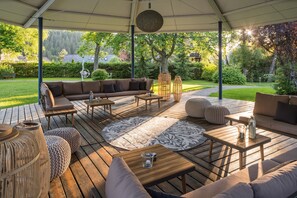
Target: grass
(245, 93)
(22, 91)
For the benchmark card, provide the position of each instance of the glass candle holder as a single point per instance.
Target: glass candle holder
(147, 160)
(241, 131)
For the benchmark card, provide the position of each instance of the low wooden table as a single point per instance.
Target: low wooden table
(167, 166)
(102, 102)
(239, 117)
(65, 112)
(229, 136)
(148, 98)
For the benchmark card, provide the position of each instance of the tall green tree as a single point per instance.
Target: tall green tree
(93, 42)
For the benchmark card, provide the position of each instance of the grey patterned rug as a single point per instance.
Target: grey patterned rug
(139, 132)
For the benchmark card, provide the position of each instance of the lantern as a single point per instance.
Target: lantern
(164, 85)
(177, 88)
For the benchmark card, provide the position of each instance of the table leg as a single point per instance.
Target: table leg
(240, 160)
(210, 148)
(137, 100)
(48, 121)
(104, 106)
(66, 118)
(150, 102)
(145, 104)
(72, 116)
(159, 103)
(110, 110)
(88, 109)
(184, 185)
(93, 112)
(262, 152)
(231, 122)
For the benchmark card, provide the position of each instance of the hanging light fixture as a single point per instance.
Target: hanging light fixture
(149, 20)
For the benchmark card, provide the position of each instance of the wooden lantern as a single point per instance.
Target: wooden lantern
(164, 85)
(177, 88)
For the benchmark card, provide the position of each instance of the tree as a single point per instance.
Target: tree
(162, 47)
(62, 54)
(93, 42)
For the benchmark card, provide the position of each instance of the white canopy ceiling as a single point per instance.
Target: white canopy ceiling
(118, 15)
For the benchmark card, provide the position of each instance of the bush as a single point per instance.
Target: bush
(231, 76)
(285, 85)
(268, 78)
(6, 70)
(99, 74)
(208, 71)
(197, 70)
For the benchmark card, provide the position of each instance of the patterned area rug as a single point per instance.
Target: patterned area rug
(139, 132)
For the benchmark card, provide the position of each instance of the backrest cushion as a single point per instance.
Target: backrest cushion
(93, 86)
(48, 96)
(241, 190)
(124, 84)
(149, 84)
(286, 113)
(134, 85)
(108, 88)
(56, 90)
(293, 100)
(106, 82)
(53, 85)
(142, 85)
(266, 104)
(72, 88)
(280, 183)
(121, 181)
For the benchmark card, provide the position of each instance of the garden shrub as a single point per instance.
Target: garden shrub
(100, 74)
(231, 76)
(208, 71)
(6, 70)
(285, 85)
(197, 70)
(268, 78)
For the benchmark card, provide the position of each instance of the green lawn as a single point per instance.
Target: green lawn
(245, 93)
(22, 91)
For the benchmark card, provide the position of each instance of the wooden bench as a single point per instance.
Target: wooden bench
(65, 112)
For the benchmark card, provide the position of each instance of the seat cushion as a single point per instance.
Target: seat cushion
(61, 103)
(266, 104)
(121, 181)
(72, 88)
(280, 183)
(286, 113)
(242, 190)
(287, 156)
(93, 86)
(78, 97)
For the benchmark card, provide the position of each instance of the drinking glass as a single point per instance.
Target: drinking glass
(241, 131)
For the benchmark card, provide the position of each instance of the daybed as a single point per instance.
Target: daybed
(273, 178)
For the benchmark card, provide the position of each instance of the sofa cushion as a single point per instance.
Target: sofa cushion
(78, 97)
(280, 183)
(287, 156)
(106, 82)
(242, 190)
(124, 84)
(158, 194)
(134, 85)
(108, 88)
(72, 88)
(57, 83)
(142, 85)
(61, 103)
(149, 84)
(93, 86)
(293, 100)
(121, 181)
(286, 113)
(266, 104)
(122, 93)
(118, 87)
(56, 90)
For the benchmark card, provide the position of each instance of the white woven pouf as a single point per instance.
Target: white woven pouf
(195, 107)
(70, 134)
(59, 153)
(215, 114)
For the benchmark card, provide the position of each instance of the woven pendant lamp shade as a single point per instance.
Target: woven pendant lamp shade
(19, 164)
(164, 85)
(177, 88)
(35, 129)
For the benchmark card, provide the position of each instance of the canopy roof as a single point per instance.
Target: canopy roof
(118, 15)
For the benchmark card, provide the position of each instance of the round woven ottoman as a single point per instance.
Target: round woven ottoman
(195, 107)
(215, 114)
(70, 134)
(59, 153)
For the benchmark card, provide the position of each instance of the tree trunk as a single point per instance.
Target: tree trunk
(96, 56)
(272, 66)
(164, 64)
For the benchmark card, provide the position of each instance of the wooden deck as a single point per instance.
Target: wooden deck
(89, 166)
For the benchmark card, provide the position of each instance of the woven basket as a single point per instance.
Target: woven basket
(164, 85)
(177, 88)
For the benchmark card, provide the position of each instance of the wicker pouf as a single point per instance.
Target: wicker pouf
(215, 114)
(195, 107)
(60, 155)
(70, 134)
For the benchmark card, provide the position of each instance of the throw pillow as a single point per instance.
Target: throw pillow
(158, 194)
(117, 87)
(241, 190)
(142, 85)
(134, 85)
(108, 88)
(56, 90)
(122, 182)
(286, 113)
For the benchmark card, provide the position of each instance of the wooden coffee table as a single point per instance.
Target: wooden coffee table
(239, 117)
(167, 166)
(102, 102)
(229, 136)
(148, 98)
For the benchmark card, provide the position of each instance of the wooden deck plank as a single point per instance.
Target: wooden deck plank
(89, 166)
